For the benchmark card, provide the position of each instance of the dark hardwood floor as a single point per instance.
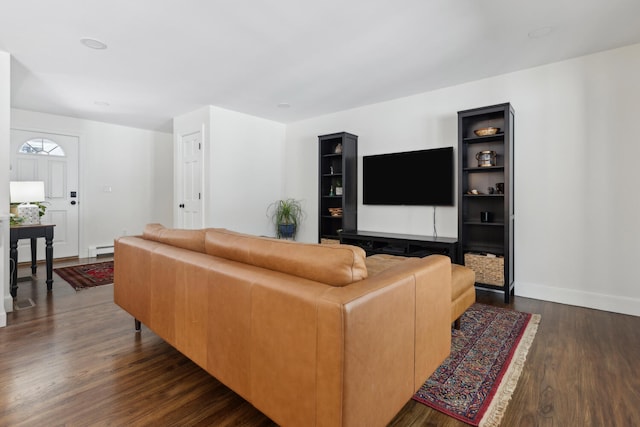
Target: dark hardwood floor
(74, 359)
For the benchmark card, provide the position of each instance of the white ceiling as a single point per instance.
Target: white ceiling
(166, 58)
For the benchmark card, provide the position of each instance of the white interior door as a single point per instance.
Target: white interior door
(190, 209)
(52, 158)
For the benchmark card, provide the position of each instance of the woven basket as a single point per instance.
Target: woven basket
(489, 270)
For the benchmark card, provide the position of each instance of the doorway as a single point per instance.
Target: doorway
(190, 213)
(52, 158)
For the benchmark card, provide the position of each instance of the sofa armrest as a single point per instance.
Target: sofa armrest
(389, 332)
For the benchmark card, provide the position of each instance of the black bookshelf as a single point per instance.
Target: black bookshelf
(493, 235)
(337, 184)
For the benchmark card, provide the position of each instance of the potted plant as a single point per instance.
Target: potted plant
(286, 214)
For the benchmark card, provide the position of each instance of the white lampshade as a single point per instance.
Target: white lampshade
(26, 191)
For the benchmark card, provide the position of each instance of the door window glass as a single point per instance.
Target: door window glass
(42, 146)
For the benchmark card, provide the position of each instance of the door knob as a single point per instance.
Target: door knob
(73, 202)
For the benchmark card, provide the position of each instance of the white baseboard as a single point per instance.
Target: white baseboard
(8, 303)
(605, 302)
(6, 308)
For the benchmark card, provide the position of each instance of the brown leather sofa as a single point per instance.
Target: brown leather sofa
(296, 329)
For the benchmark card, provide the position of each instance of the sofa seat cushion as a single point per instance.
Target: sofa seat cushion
(336, 265)
(380, 262)
(185, 239)
(462, 279)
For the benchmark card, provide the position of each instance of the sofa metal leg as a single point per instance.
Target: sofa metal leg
(137, 324)
(456, 324)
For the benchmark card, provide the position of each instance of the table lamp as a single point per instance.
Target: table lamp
(26, 192)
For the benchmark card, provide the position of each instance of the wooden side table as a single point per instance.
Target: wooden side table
(32, 231)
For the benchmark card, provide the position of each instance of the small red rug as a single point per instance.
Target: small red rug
(88, 275)
(475, 383)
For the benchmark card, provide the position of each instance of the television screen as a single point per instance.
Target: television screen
(419, 178)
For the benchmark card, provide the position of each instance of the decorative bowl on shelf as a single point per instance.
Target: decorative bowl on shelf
(486, 131)
(335, 211)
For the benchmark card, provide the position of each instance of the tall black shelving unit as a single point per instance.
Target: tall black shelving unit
(493, 235)
(337, 184)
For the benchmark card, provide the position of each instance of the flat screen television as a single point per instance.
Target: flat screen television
(418, 178)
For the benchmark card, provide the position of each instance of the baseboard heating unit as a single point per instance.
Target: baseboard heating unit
(96, 251)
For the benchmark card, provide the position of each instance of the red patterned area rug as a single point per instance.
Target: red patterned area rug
(88, 275)
(475, 383)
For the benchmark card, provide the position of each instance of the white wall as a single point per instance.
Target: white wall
(137, 164)
(245, 172)
(243, 167)
(576, 150)
(402, 125)
(5, 115)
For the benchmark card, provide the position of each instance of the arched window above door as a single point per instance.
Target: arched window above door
(41, 146)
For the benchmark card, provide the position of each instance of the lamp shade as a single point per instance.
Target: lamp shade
(26, 191)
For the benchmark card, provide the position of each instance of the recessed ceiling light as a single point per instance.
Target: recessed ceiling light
(284, 105)
(93, 43)
(101, 103)
(540, 32)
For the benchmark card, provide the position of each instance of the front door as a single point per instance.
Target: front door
(52, 158)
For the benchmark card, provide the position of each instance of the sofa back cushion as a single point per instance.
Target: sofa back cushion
(336, 265)
(186, 239)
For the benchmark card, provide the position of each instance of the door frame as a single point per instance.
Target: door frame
(82, 252)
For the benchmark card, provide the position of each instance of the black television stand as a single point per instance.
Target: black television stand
(374, 242)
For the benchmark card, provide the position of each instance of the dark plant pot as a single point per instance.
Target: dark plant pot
(286, 231)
